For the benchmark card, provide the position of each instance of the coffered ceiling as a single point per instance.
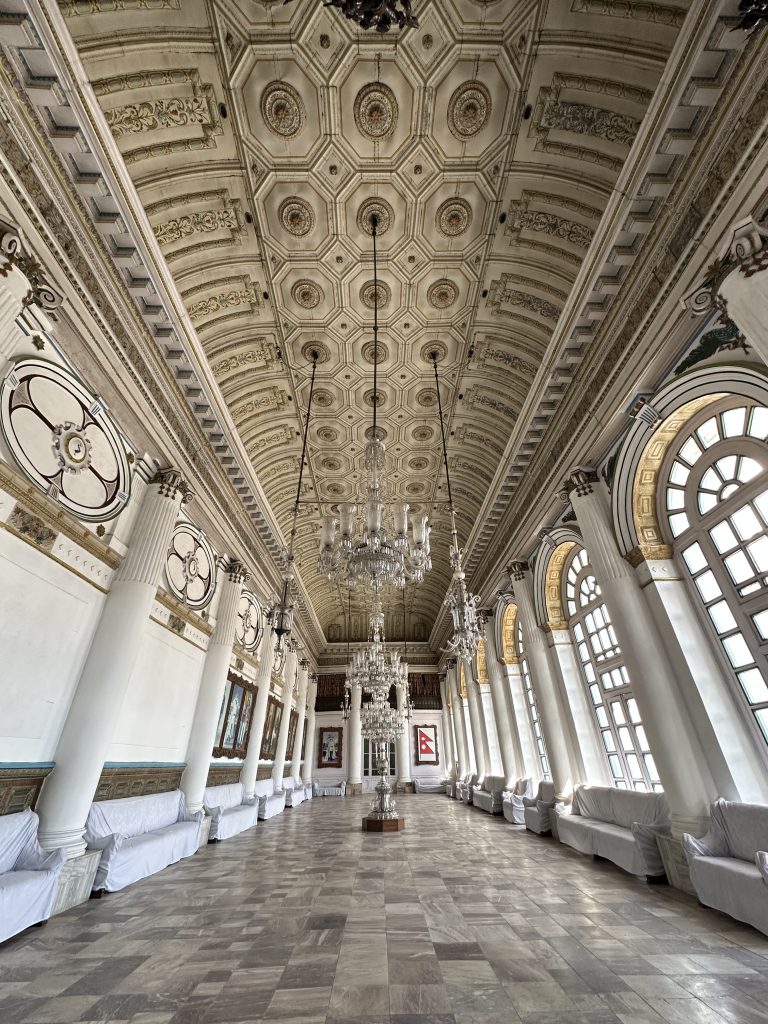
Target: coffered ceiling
(261, 136)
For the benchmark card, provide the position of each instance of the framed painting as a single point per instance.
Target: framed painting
(425, 744)
(329, 748)
(292, 725)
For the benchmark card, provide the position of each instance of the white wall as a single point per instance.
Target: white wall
(48, 616)
(157, 711)
(330, 776)
(428, 771)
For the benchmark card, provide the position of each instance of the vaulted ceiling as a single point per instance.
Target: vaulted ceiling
(260, 137)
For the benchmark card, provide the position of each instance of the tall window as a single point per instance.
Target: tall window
(715, 500)
(618, 719)
(369, 765)
(532, 709)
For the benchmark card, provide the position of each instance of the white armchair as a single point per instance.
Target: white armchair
(537, 809)
(230, 810)
(488, 796)
(29, 877)
(513, 805)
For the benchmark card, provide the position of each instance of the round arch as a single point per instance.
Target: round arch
(547, 575)
(481, 663)
(633, 495)
(506, 639)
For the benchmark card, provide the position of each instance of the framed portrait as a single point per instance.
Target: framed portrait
(235, 717)
(329, 748)
(291, 735)
(425, 744)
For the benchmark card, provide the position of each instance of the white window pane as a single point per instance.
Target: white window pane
(722, 617)
(571, 607)
(733, 422)
(738, 566)
(727, 491)
(758, 422)
(589, 672)
(749, 469)
(583, 652)
(650, 767)
(746, 522)
(634, 714)
(761, 624)
(711, 481)
(678, 523)
(749, 589)
(595, 694)
(690, 451)
(754, 686)
(625, 738)
(634, 766)
(761, 501)
(694, 556)
(642, 739)
(723, 537)
(726, 467)
(589, 622)
(578, 632)
(706, 502)
(707, 585)
(615, 764)
(758, 552)
(641, 787)
(675, 498)
(618, 712)
(708, 433)
(762, 720)
(625, 677)
(606, 680)
(608, 740)
(678, 474)
(602, 717)
(736, 648)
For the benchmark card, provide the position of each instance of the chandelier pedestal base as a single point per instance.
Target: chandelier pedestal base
(383, 824)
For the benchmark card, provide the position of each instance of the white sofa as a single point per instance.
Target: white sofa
(294, 792)
(450, 788)
(488, 796)
(230, 810)
(429, 785)
(335, 789)
(29, 877)
(309, 789)
(140, 835)
(465, 786)
(729, 865)
(270, 802)
(620, 825)
(512, 806)
(537, 809)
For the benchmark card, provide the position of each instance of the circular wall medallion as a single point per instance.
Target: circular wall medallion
(282, 109)
(427, 397)
(190, 566)
(296, 216)
(328, 434)
(249, 624)
(380, 398)
(379, 207)
(423, 433)
(442, 293)
(322, 398)
(469, 110)
(383, 294)
(453, 217)
(381, 356)
(375, 111)
(307, 294)
(63, 440)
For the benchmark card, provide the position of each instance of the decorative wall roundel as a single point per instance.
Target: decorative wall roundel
(307, 294)
(63, 439)
(282, 109)
(375, 111)
(190, 566)
(443, 293)
(469, 110)
(382, 210)
(453, 217)
(296, 216)
(250, 624)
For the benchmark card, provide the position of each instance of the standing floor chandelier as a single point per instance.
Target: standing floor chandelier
(368, 556)
(467, 629)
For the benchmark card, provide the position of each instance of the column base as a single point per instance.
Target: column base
(354, 789)
(675, 864)
(205, 831)
(69, 840)
(696, 825)
(76, 881)
(404, 786)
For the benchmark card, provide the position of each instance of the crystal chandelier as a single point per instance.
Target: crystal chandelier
(370, 557)
(467, 626)
(378, 14)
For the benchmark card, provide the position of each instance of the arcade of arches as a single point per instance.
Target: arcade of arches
(573, 216)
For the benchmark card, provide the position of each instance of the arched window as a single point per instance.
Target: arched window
(532, 709)
(607, 679)
(715, 501)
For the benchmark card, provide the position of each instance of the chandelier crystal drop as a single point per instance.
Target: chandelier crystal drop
(380, 15)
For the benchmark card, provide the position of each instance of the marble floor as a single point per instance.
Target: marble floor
(461, 919)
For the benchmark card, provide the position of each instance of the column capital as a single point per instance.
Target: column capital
(517, 570)
(580, 480)
(747, 252)
(171, 483)
(13, 253)
(236, 572)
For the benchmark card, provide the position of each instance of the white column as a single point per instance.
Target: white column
(289, 677)
(355, 742)
(301, 707)
(211, 693)
(93, 714)
(14, 289)
(22, 283)
(250, 768)
(594, 764)
(309, 753)
(679, 757)
(403, 747)
(554, 724)
(462, 744)
(489, 717)
(449, 760)
(518, 699)
(477, 723)
(509, 765)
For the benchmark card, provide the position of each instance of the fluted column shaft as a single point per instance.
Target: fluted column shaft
(745, 291)
(477, 723)
(403, 745)
(530, 763)
(449, 759)
(500, 707)
(309, 753)
(355, 739)
(289, 677)
(462, 743)
(250, 768)
(14, 289)
(93, 714)
(680, 759)
(212, 684)
(301, 707)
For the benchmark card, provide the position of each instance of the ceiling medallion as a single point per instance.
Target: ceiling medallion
(414, 488)
(442, 355)
(469, 110)
(332, 464)
(296, 216)
(328, 434)
(423, 433)
(380, 398)
(453, 217)
(443, 293)
(323, 398)
(375, 112)
(335, 489)
(375, 433)
(323, 353)
(282, 109)
(370, 294)
(382, 210)
(427, 397)
(419, 463)
(307, 294)
(381, 355)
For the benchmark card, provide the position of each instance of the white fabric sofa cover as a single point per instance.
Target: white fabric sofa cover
(450, 788)
(465, 786)
(229, 809)
(512, 806)
(729, 865)
(488, 796)
(429, 785)
(29, 877)
(537, 809)
(140, 835)
(620, 825)
(294, 792)
(270, 802)
(334, 789)
(309, 789)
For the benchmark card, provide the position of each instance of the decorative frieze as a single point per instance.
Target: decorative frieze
(20, 785)
(118, 781)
